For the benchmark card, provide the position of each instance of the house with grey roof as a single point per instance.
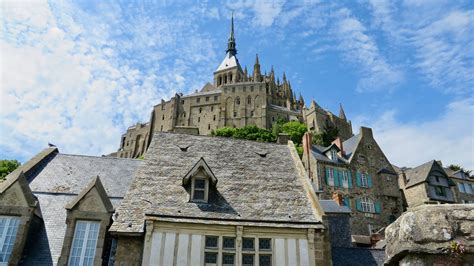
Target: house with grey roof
(46, 202)
(464, 189)
(358, 171)
(426, 183)
(193, 200)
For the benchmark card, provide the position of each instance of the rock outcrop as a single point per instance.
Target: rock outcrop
(426, 234)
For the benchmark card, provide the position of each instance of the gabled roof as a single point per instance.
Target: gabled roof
(420, 173)
(251, 188)
(201, 164)
(319, 154)
(350, 145)
(18, 177)
(230, 61)
(95, 183)
(333, 145)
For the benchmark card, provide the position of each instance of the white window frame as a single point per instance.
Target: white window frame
(345, 179)
(9, 233)
(333, 154)
(367, 205)
(88, 235)
(364, 180)
(331, 176)
(206, 188)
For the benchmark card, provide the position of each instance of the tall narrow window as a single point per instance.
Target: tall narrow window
(199, 190)
(8, 229)
(84, 243)
(364, 181)
(367, 205)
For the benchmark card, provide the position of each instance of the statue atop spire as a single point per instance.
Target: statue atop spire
(231, 50)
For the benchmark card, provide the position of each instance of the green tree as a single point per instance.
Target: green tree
(295, 130)
(456, 167)
(328, 135)
(8, 166)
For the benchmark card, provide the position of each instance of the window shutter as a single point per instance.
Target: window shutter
(327, 175)
(347, 202)
(358, 179)
(369, 181)
(336, 177)
(349, 177)
(358, 205)
(378, 207)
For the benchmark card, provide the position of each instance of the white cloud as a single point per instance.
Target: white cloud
(360, 49)
(74, 79)
(448, 138)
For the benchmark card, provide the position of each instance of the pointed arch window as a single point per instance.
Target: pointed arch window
(237, 100)
(249, 100)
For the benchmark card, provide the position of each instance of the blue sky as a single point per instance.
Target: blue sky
(77, 74)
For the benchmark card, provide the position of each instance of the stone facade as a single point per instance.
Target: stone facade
(427, 183)
(360, 173)
(424, 235)
(464, 189)
(235, 99)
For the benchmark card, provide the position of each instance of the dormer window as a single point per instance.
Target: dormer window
(201, 178)
(200, 189)
(333, 155)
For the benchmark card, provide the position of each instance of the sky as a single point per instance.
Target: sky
(77, 74)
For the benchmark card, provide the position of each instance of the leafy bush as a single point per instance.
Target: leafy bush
(7, 166)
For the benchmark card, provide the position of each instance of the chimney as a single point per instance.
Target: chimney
(338, 198)
(366, 132)
(283, 138)
(307, 142)
(338, 142)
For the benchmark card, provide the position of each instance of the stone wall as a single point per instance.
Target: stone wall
(423, 235)
(129, 251)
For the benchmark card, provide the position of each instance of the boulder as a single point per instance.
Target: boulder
(428, 231)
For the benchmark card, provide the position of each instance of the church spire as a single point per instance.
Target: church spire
(256, 70)
(342, 115)
(231, 50)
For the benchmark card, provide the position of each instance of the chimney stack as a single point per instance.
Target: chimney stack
(338, 198)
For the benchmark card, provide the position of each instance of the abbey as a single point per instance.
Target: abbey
(236, 98)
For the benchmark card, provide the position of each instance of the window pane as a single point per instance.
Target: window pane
(229, 243)
(199, 183)
(84, 243)
(248, 244)
(265, 260)
(198, 195)
(247, 260)
(265, 244)
(228, 259)
(211, 241)
(210, 257)
(8, 230)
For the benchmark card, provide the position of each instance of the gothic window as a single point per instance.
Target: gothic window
(214, 118)
(208, 126)
(225, 79)
(200, 109)
(84, 243)
(237, 100)
(367, 204)
(8, 230)
(230, 77)
(249, 100)
(163, 117)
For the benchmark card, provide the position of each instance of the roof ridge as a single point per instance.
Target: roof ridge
(220, 137)
(101, 157)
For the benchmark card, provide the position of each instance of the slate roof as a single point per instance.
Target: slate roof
(229, 62)
(318, 154)
(419, 174)
(67, 173)
(350, 145)
(331, 207)
(57, 182)
(357, 256)
(250, 187)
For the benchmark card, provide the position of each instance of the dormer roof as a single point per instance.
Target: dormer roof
(230, 61)
(201, 164)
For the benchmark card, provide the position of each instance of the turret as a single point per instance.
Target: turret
(231, 50)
